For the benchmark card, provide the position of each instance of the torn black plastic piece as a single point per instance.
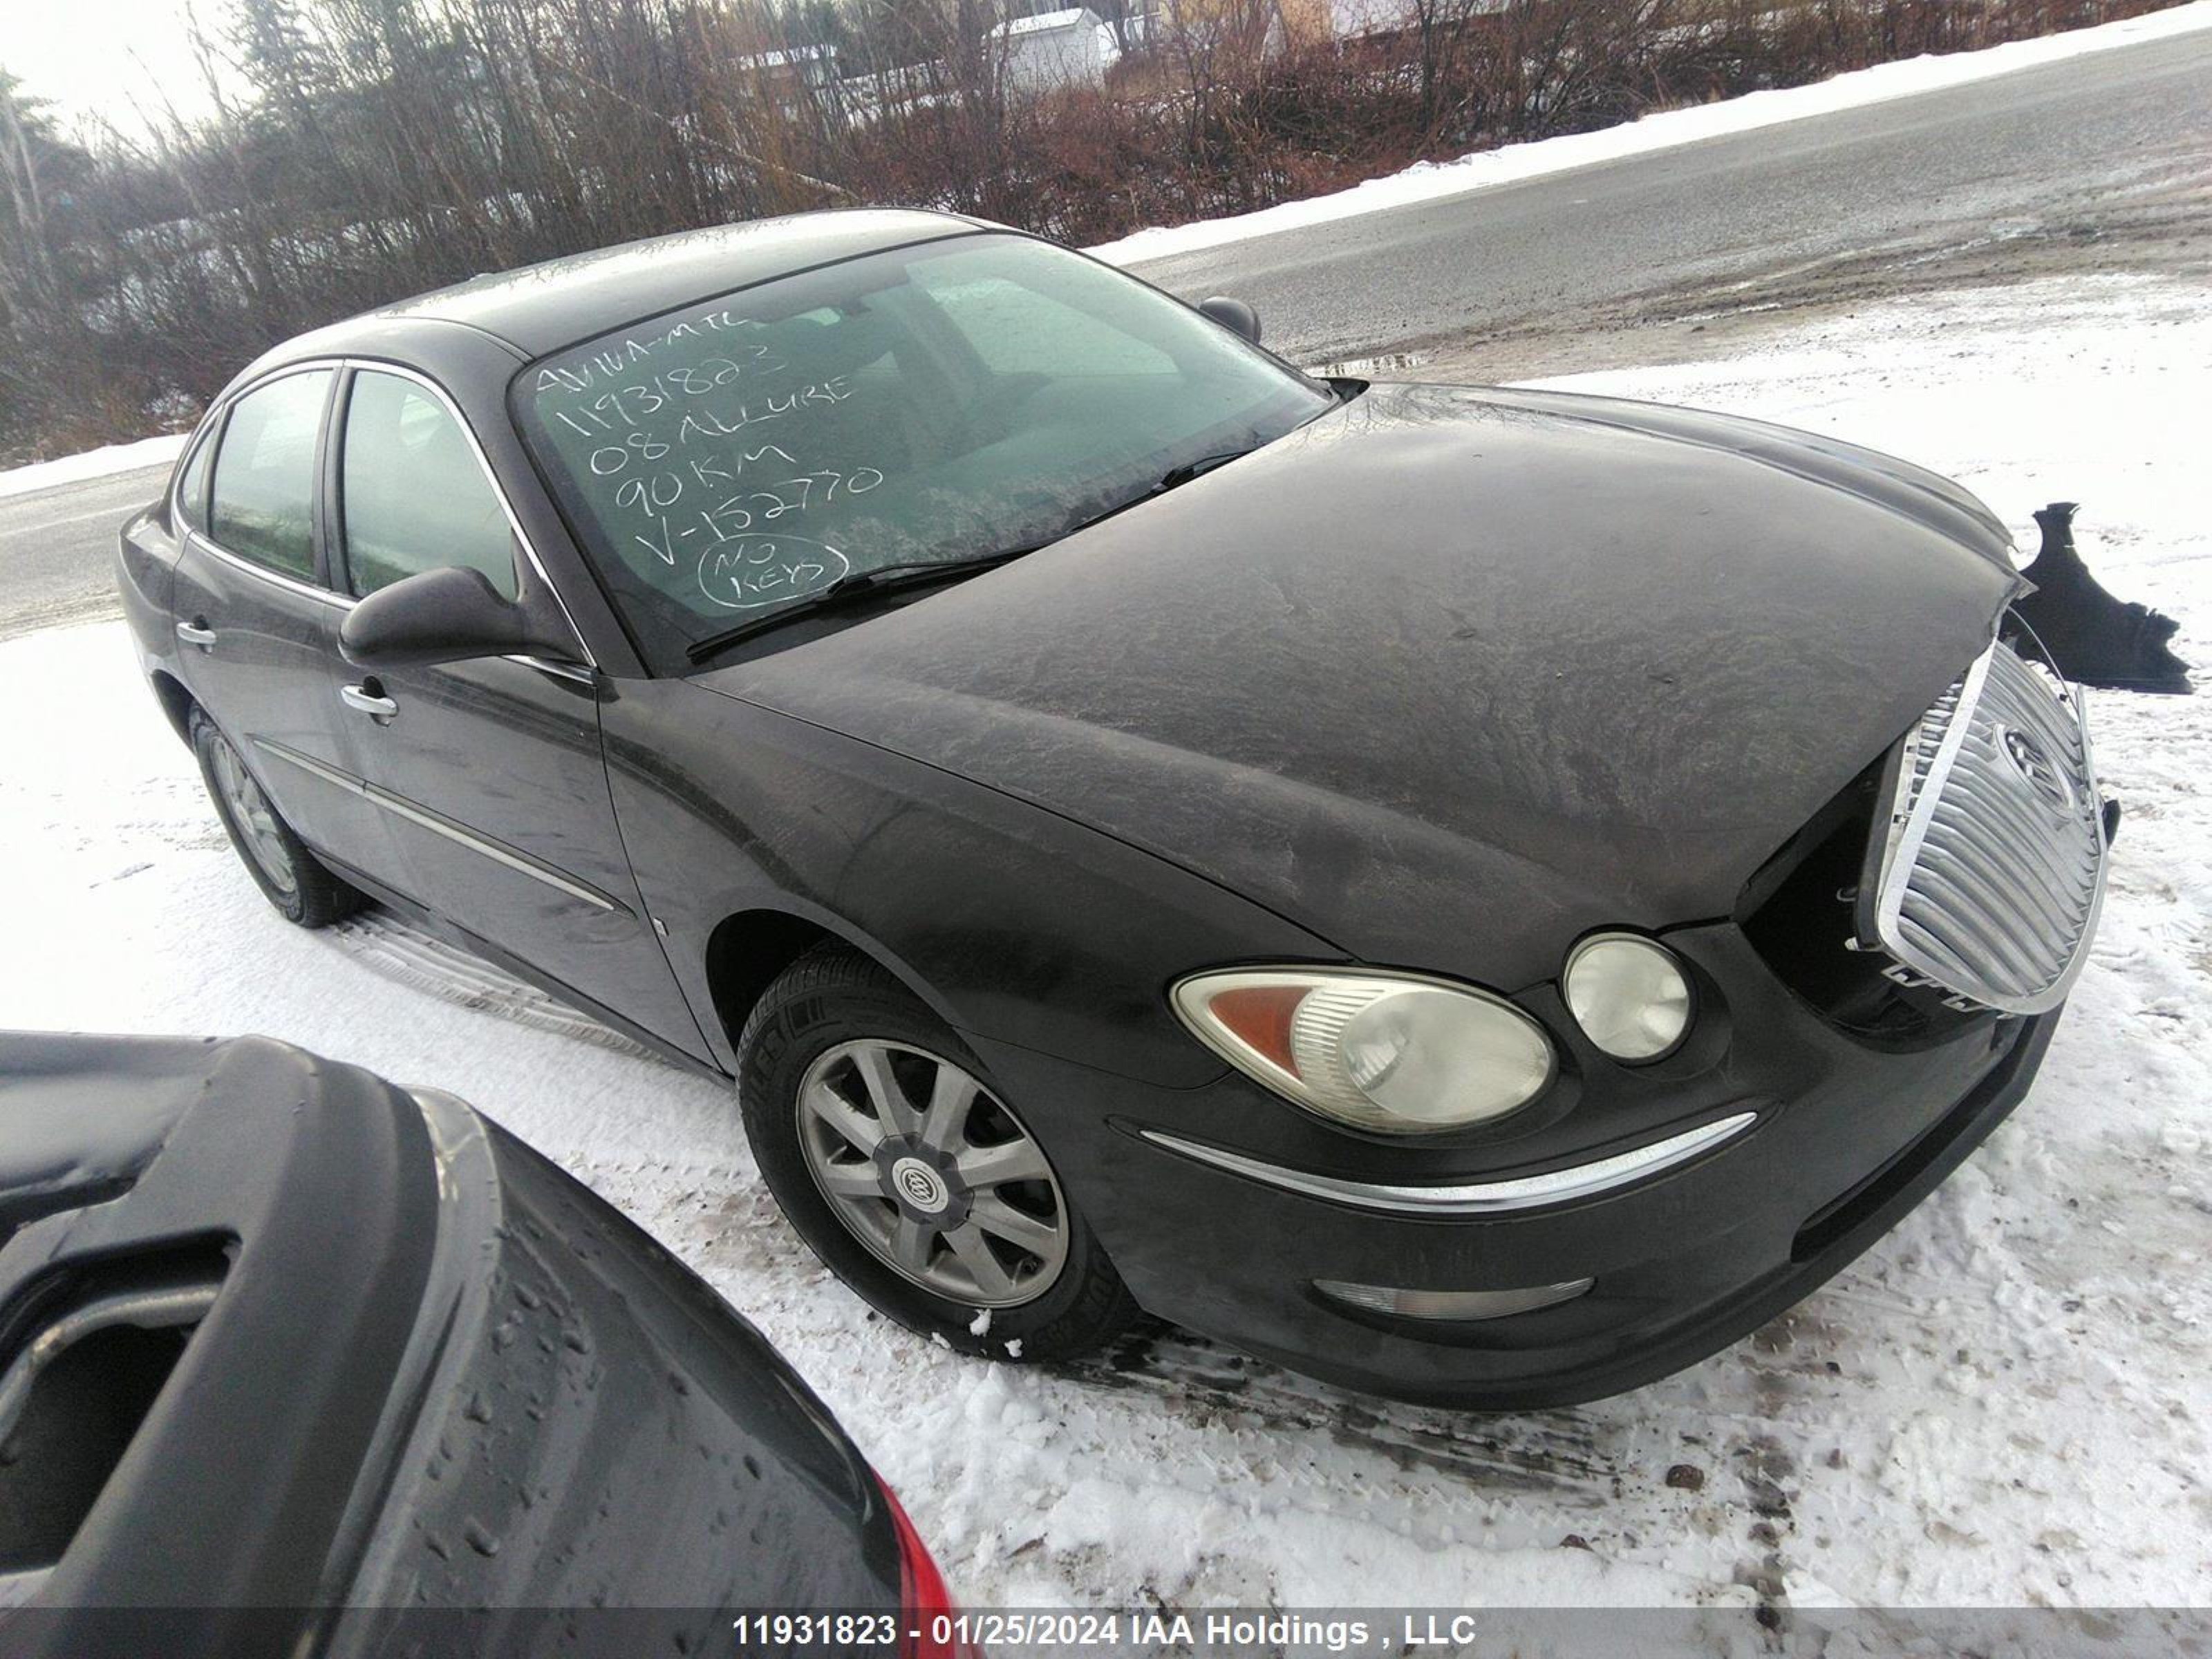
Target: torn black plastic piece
(2093, 638)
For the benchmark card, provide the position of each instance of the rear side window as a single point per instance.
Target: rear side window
(414, 495)
(262, 505)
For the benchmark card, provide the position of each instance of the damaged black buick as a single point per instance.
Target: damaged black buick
(1481, 895)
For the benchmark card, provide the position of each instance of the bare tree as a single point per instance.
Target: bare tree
(359, 150)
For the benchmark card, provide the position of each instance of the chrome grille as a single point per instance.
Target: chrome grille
(1992, 844)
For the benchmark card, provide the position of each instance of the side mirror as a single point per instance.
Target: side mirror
(1234, 315)
(448, 616)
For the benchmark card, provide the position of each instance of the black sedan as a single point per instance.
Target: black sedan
(1483, 896)
(296, 1361)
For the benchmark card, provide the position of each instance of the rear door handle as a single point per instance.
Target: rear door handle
(367, 700)
(196, 632)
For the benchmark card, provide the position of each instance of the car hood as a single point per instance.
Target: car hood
(1449, 674)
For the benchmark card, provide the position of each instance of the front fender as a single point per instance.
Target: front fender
(1009, 921)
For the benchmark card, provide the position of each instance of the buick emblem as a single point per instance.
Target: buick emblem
(2036, 768)
(919, 1186)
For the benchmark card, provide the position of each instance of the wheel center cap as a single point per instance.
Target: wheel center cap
(920, 1187)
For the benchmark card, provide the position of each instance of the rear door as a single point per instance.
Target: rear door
(257, 620)
(489, 771)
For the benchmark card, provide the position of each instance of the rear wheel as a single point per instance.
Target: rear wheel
(909, 1174)
(292, 879)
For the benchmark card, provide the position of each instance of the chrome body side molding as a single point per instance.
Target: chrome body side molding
(1474, 1198)
(460, 835)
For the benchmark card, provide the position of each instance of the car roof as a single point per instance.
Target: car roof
(541, 307)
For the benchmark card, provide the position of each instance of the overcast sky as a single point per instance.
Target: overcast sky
(99, 58)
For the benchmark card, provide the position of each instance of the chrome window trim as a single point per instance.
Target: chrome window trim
(400, 806)
(1479, 1198)
(368, 366)
(219, 414)
(202, 436)
(587, 666)
(582, 674)
(291, 584)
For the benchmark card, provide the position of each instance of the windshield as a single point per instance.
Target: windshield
(932, 403)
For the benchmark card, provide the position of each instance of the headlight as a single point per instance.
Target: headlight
(1391, 1052)
(1629, 995)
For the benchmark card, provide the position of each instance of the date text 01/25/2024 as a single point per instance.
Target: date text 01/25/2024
(1224, 1631)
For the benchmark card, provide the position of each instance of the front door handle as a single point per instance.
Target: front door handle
(369, 699)
(196, 632)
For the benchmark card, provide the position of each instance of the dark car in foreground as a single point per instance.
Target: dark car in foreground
(294, 1362)
(1483, 896)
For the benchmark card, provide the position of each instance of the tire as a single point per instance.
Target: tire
(830, 1022)
(293, 880)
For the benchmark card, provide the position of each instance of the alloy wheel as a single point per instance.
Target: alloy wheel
(932, 1172)
(256, 819)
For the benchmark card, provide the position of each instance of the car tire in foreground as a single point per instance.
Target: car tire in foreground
(903, 1166)
(293, 879)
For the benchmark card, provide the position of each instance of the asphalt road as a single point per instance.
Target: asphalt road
(2029, 153)
(2058, 158)
(56, 546)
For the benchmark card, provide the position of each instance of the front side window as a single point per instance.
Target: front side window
(926, 404)
(412, 494)
(262, 504)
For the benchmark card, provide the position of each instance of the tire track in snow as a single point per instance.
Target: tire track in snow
(1556, 1453)
(1766, 1470)
(398, 949)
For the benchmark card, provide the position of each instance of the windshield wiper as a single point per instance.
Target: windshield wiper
(1175, 475)
(847, 589)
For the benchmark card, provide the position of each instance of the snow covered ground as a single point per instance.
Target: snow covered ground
(2005, 1403)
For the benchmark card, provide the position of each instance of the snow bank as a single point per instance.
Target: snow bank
(91, 464)
(2004, 1403)
(1430, 181)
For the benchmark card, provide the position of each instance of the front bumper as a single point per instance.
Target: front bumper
(1846, 1140)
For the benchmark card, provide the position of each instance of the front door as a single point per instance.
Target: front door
(489, 771)
(257, 624)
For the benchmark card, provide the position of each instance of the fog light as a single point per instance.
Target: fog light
(1629, 995)
(1451, 1304)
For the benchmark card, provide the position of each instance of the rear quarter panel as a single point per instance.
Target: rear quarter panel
(145, 578)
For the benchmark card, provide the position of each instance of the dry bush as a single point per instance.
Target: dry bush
(388, 146)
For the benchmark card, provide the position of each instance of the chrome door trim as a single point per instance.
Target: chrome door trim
(520, 862)
(400, 806)
(308, 764)
(1477, 1198)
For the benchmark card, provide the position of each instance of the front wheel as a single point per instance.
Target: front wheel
(289, 876)
(909, 1173)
